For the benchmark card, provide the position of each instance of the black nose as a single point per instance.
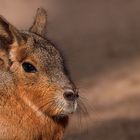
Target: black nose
(70, 95)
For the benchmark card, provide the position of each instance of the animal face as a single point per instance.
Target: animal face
(38, 68)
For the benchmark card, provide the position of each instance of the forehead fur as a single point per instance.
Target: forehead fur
(41, 48)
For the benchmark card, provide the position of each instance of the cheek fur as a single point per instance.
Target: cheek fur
(42, 98)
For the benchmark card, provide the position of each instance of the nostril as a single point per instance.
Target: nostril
(70, 95)
(77, 95)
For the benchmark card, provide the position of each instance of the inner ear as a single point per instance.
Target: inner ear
(4, 60)
(1, 62)
(8, 33)
(10, 38)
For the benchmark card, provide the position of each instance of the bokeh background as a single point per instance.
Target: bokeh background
(101, 42)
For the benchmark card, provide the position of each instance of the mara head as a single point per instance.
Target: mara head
(37, 68)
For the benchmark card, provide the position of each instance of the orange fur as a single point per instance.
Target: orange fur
(32, 104)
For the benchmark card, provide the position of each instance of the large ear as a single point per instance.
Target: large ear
(9, 34)
(9, 37)
(40, 23)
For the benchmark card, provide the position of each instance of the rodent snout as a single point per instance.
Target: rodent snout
(70, 95)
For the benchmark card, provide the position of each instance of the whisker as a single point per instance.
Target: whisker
(82, 115)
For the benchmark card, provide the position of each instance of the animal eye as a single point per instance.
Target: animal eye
(28, 67)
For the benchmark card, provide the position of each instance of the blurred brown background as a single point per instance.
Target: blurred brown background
(101, 41)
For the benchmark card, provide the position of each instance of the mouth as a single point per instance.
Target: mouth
(61, 108)
(64, 111)
(65, 107)
(69, 108)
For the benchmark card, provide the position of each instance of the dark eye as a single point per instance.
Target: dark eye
(28, 67)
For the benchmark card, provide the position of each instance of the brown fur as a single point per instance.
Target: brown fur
(31, 104)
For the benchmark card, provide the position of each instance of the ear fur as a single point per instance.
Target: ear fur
(9, 37)
(8, 33)
(40, 23)
(4, 61)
